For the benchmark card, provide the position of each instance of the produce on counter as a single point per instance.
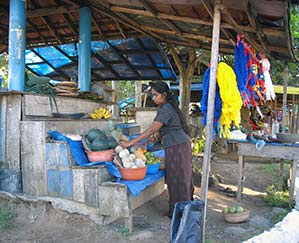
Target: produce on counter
(232, 210)
(97, 140)
(150, 158)
(125, 159)
(100, 113)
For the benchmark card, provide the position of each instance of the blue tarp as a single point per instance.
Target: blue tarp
(80, 157)
(129, 59)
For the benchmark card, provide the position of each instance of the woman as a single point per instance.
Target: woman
(171, 125)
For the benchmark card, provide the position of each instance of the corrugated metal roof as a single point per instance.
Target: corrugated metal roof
(130, 59)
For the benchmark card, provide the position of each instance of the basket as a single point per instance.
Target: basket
(133, 174)
(100, 156)
(236, 218)
(152, 168)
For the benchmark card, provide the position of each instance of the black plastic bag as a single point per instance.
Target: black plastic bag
(186, 225)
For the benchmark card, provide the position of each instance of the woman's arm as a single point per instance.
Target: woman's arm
(155, 127)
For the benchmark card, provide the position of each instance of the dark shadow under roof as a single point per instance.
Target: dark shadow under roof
(130, 59)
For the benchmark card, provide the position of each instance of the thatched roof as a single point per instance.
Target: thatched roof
(265, 23)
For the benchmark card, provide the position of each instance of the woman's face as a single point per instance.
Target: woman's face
(158, 98)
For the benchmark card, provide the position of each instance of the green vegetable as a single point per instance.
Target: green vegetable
(112, 143)
(95, 133)
(232, 210)
(225, 210)
(240, 209)
(99, 145)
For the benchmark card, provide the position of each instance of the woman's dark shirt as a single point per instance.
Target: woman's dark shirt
(172, 132)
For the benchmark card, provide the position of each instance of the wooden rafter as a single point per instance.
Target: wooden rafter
(150, 58)
(211, 13)
(252, 20)
(42, 12)
(99, 30)
(268, 31)
(248, 38)
(120, 29)
(186, 35)
(47, 22)
(126, 20)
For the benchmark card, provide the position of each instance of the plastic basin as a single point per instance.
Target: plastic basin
(100, 156)
(152, 168)
(132, 174)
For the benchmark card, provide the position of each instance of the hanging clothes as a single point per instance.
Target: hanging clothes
(270, 94)
(230, 98)
(204, 102)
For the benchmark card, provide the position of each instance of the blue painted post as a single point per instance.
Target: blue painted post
(17, 45)
(84, 49)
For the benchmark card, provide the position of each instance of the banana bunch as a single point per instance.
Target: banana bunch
(100, 113)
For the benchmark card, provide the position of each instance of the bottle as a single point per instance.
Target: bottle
(275, 128)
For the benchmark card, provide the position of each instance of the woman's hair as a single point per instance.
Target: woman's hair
(162, 87)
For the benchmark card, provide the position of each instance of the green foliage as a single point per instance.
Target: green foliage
(6, 216)
(198, 146)
(126, 89)
(276, 198)
(278, 217)
(124, 231)
(4, 69)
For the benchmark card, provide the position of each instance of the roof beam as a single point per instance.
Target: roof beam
(194, 21)
(252, 20)
(248, 38)
(167, 22)
(47, 22)
(42, 12)
(99, 30)
(126, 20)
(186, 35)
(211, 14)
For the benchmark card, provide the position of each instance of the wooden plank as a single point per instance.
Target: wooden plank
(33, 158)
(240, 178)
(39, 105)
(210, 115)
(13, 117)
(280, 184)
(269, 151)
(293, 169)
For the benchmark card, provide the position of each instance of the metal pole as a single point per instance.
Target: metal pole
(17, 45)
(285, 96)
(210, 114)
(84, 49)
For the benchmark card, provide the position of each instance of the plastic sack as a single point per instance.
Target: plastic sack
(186, 222)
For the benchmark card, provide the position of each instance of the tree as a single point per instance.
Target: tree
(4, 69)
(186, 71)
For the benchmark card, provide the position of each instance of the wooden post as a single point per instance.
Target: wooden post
(280, 184)
(115, 108)
(138, 93)
(285, 95)
(210, 114)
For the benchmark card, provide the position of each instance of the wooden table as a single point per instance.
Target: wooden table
(283, 152)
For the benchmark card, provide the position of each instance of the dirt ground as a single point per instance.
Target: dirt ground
(40, 223)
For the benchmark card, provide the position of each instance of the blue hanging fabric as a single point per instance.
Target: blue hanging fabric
(241, 70)
(204, 102)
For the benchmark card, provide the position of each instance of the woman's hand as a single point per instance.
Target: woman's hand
(125, 144)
